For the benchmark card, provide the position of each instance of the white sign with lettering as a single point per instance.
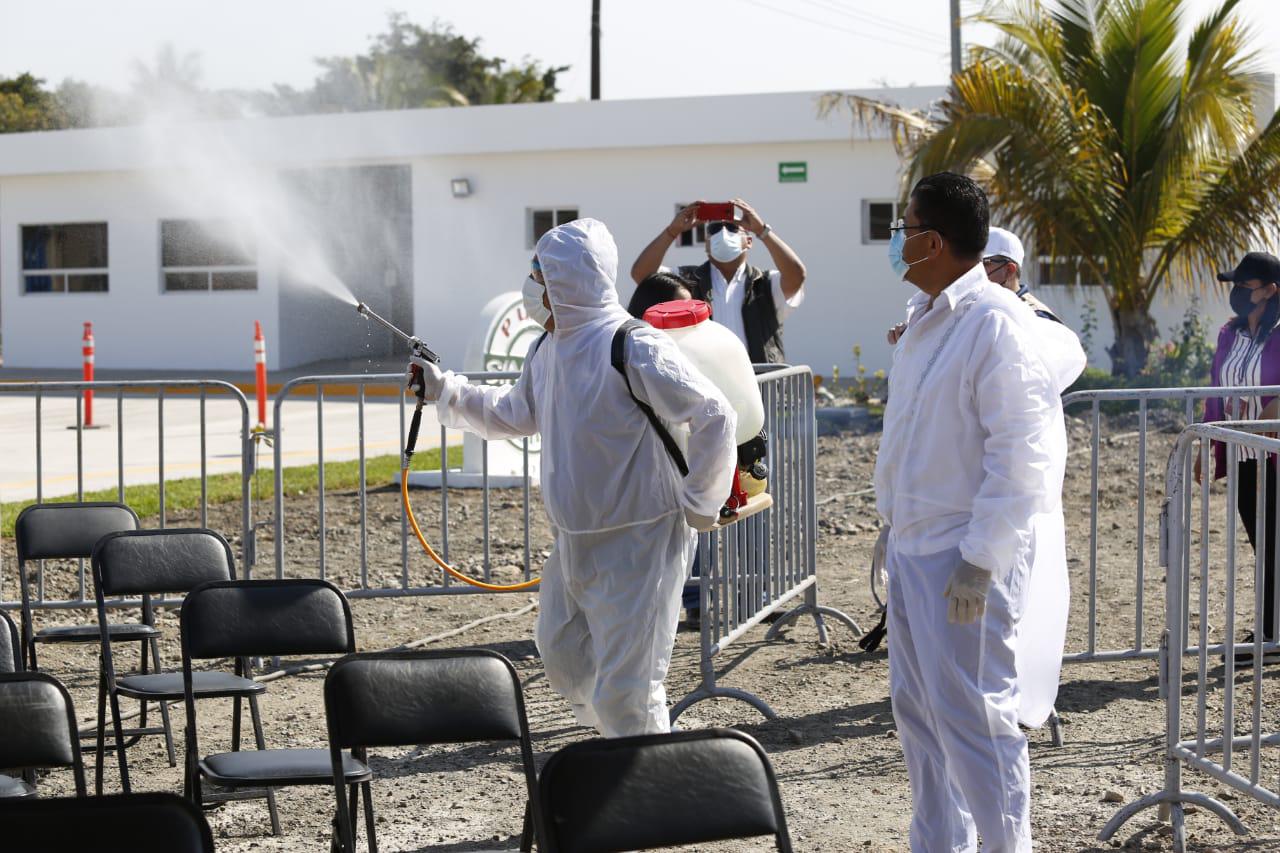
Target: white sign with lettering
(507, 334)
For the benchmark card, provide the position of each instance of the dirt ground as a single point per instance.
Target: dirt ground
(834, 745)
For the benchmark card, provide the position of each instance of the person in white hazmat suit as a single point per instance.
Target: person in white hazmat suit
(965, 464)
(622, 516)
(1042, 629)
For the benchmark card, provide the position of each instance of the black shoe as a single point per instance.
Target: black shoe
(692, 619)
(1244, 660)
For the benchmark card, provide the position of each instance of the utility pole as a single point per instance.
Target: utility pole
(595, 49)
(955, 36)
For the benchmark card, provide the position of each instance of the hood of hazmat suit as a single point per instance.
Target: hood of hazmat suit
(610, 592)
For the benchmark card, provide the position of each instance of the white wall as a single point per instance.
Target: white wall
(1168, 310)
(468, 249)
(136, 324)
(465, 250)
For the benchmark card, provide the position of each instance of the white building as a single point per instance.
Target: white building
(173, 239)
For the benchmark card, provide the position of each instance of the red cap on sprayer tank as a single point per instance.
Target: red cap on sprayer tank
(677, 315)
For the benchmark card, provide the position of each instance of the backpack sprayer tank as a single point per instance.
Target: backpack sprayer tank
(720, 356)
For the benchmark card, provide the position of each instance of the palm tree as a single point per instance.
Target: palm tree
(1111, 140)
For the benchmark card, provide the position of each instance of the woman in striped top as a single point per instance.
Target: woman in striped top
(1249, 354)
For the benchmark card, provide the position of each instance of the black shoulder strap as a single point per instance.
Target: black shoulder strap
(1038, 307)
(619, 359)
(534, 348)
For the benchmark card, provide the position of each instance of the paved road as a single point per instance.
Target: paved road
(101, 448)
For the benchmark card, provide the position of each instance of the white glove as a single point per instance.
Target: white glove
(700, 523)
(879, 561)
(967, 591)
(432, 377)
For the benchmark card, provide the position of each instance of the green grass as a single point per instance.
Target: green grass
(225, 488)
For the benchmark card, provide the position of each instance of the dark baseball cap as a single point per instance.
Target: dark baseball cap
(1259, 265)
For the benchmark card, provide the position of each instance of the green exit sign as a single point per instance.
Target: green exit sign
(793, 173)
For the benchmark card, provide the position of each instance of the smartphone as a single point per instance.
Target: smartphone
(716, 211)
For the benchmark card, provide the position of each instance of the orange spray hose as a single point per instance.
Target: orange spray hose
(426, 546)
(418, 387)
(413, 522)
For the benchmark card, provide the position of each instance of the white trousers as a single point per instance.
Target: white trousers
(955, 701)
(609, 608)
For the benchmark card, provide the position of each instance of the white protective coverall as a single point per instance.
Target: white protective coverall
(610, 592)
(964, 465)
(1042, 630)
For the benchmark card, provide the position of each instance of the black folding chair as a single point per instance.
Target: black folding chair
(268, 618)
(416, 698)
(11, 661)
(655, 791)
(65, 531)
(144, 562)
(163, 823)
(37, 731)
(10, 645)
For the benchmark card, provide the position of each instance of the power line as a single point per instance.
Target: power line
(827, 25)
(873, 21)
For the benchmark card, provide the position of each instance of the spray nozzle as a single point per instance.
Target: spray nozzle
(415, 343)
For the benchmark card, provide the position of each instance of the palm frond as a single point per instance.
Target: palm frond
(1238, 211)
(1212, 123)
(1105, 135)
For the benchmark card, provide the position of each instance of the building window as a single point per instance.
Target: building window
(207, 254)
(69, 258)
(543, 219)
(877, 217)
(695, 235)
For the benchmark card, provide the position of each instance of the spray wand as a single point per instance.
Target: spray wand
(419, 351)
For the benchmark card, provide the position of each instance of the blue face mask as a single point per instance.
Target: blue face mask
(896, 243)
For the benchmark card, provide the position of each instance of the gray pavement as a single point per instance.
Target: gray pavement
(131, 448)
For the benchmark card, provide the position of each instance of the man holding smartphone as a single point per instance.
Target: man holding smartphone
(753, 303)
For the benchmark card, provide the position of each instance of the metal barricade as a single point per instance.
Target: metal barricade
(759, 566)
(408, 581)
(1115, 643)
(1230, 725)
(766, 562)
(178, 394)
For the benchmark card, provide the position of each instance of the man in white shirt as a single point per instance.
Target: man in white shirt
(966, 462)
(751, 302)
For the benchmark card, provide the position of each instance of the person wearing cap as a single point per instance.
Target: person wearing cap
(752, 303)
(1249, 354)
(1044, 618)
(1002, 262)
(1059, 345)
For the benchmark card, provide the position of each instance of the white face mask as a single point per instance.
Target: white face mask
(532, 296)
(725, 245)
